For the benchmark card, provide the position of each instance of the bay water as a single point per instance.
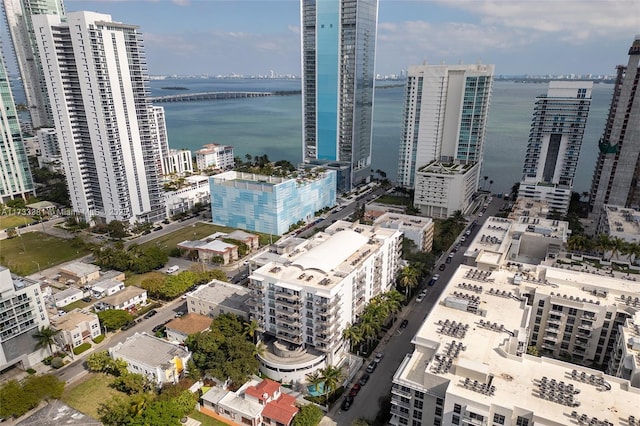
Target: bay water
(273, 125)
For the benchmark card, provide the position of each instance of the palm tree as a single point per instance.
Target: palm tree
(603, 244)
(250, 329)
(408, 278)
(369, 329)
(394, 300)
(634, 252)
(354, 335)
(618, 247)
(332, 377)
(45, 337)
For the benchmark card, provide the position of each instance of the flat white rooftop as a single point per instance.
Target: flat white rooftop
(490, 347)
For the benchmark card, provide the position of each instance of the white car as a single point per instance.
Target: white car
(379, 357)
(420, 298)
(172, 269)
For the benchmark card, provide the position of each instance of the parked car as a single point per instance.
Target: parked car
(128, 325)
(442, 266)
(379, 357)
(355, 389)
(420, 298)
(372, 367)
(150, 314)
(346, 404)
(364, 379)
(172, 269)
(434, 279)
(404, 323)
(158, 328)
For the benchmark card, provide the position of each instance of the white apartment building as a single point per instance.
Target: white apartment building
(162, 362)
(49, 155)
(159, 134)
(625, 361)
(213, 155)
(470, 364)
(76, 327)
(441, 189)
(195, 190)
(128, 298)
(177, 162)
(444, 118)
(67, 297)
(619, 222)
(415, 228)
(305, 299)
(22, 313)
(558, 124)
(97, 81)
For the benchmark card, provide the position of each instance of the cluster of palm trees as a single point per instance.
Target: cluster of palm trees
(609, 247)
(329, 377)
(373, 317)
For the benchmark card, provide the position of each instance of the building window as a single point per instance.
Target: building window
(439, 402)
(498, 419)
(455, 420)
(573, 311)
(457, 408)
(418, 404)
(541, 303)
(419, 395)
(438, 411)
(417, 414)
(522, 421)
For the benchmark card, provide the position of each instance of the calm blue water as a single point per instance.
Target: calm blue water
(273, 125)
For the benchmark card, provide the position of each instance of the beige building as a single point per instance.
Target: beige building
(76, 327)
(179, 329)
(211, 250)
(415, 228)
(251, 240)
(216, 156)
(217, 298)
(80, 273)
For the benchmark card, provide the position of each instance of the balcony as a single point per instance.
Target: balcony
(285, 302)
(289, 313)
(399, 391)
(287, 295)
(551, 338)
(549, 346)
(289, 319)
(289, 337)
(326, 321)
(588, 327)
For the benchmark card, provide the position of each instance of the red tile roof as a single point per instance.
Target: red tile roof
(266, 386)
(281, 410)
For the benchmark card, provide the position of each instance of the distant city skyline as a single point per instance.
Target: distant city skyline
(186, 37)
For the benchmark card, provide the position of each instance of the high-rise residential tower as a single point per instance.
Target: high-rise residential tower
(15, 176)
(616, 179)
(442, 143)
(98, 84)
(557, 128)
(19, 15)
(338, 55)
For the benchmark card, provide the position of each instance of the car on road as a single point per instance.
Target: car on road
(468, 232)
(442, 266)
(463, 239)
(364, 379)
(372, 367)
(355, 389)
(346, 404)
(480, 214)
(420, 298)
(434, 279)
(379, 356)
(179, 314)
(150, 314)
(158, 328)
(172, 269)
(404, 323)
(128, 325)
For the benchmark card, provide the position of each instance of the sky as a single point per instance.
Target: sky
(249, 37)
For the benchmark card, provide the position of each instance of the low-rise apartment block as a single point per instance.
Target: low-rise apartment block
(127, 299)
(443, 188)
(75, 328)
(194, 190)
(415, 228)
(619, 222)
(79, 273)
(217, 298)
(161, 361)
(210, 250)
(215, 156)
(22, 313)
(179, 329)
(106, 288)
(177, 162)
(67, 297)
(304, 300)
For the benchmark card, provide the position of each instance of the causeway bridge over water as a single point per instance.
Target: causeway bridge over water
(211, 96)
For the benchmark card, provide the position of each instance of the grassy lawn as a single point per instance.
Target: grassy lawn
(86, 395)
(23, 254)
(136, 279)
(7, 222)
(394, 200)
(195, 232)
(206, 420)
(77, 304)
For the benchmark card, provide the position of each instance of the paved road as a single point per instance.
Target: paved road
(77, 368)
(397, 343)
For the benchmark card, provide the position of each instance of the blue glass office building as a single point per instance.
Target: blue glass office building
(338, 56)
(270, 204)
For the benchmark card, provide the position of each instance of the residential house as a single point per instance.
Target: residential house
(106, 288)
(217, 298)
(67, 297)
(211, 251)
(179, 329)
(127, 299)
(251, 240)
(157, 359)
(80, 273)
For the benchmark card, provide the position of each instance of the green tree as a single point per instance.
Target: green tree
(131, 383)
(14, 400)
(45, 337)
(408, 278)
(44, 387)
(353, 334)
(98, 361)
(250, 329)
(309, 415)
(113, 319)
(314, 379)
(117, 229)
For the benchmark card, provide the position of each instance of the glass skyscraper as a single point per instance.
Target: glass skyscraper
(338, 56)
